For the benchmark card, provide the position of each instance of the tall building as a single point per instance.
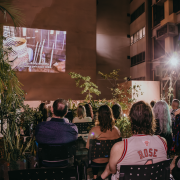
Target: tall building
(165, 38)
(140, 39)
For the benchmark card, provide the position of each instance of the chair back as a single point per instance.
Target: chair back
(101, 148)
(157, 171)
(44, 173)
(84, 128)
(55, 153)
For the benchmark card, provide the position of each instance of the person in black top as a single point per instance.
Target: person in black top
(117, 110)
(163, 122)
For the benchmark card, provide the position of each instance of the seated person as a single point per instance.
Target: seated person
(116, 108)
(140, 149)
(56, 131)
(106, 130)
(81, 115)
(163, 122)
(51, 114)
(174, 109)
(89, 111)
(152, 103)
(175, 167)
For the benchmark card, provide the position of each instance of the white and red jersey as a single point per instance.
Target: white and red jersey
(141, 150)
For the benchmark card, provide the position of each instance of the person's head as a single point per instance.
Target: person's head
(42, 106)
(175, 104)
(89, 111)
(60, 108)
(105, 118)
(141, 117)
(43, 110)
(152, 103)
(116, 108)
(81, 111)
(162, 113)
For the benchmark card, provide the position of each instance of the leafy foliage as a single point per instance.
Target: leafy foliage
(89, 87)
(124, 126)
(121, 94)
(15, 13)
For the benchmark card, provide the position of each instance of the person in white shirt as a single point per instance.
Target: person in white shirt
(140, 149)
(81, 115)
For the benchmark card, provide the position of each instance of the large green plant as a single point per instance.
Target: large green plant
(14, 115)
(85, 82)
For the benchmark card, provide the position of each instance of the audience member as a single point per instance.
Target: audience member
(106, 130)
(140, 149)
(51, 114)
(116, 108)
(44, 111)
(56, 131)
(152, 103)
(81, 115)
(175, 167)
(174, 109)
(163, 122)
(89, 111)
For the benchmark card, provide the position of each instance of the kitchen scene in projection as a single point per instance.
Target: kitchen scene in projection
(36, 50)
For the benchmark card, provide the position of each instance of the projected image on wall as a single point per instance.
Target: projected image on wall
(36, 50)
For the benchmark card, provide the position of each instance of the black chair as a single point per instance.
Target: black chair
(44, 174)
(98, 149)
(56, 155)
(84, 128)
(157, 171)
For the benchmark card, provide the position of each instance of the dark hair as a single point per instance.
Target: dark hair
(89, 111)
(175, 100)
(152, 103)
(81, 111)
(142, 119)
(60, 107)
(106, 119)
(43, 110)
(116, 108)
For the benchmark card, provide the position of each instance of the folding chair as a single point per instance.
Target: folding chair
(70, 173)
(83, 128)
(157, 171)
(99, 149)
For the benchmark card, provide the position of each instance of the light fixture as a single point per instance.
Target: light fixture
(36, 31)
(173, 61)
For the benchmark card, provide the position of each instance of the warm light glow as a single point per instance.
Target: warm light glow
(36, 31)
(51, 31)
(173, 61)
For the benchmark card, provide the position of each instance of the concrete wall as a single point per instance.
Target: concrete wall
(112, 43)
(138, 47)
(138, 70)
(78, 18)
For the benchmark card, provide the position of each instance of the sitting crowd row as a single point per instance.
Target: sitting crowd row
(150, 143)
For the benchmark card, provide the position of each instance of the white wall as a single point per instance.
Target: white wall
(150, 89)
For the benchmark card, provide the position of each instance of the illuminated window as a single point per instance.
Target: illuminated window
(138, 35)
(143, 31)
(132, 40)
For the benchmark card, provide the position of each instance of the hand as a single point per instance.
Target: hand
(172, 165)
(177, 112)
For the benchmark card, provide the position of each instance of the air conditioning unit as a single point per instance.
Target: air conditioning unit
(169, 29)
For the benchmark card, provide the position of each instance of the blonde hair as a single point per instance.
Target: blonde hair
(81, 111)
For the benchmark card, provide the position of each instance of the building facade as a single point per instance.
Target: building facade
(165, 40)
